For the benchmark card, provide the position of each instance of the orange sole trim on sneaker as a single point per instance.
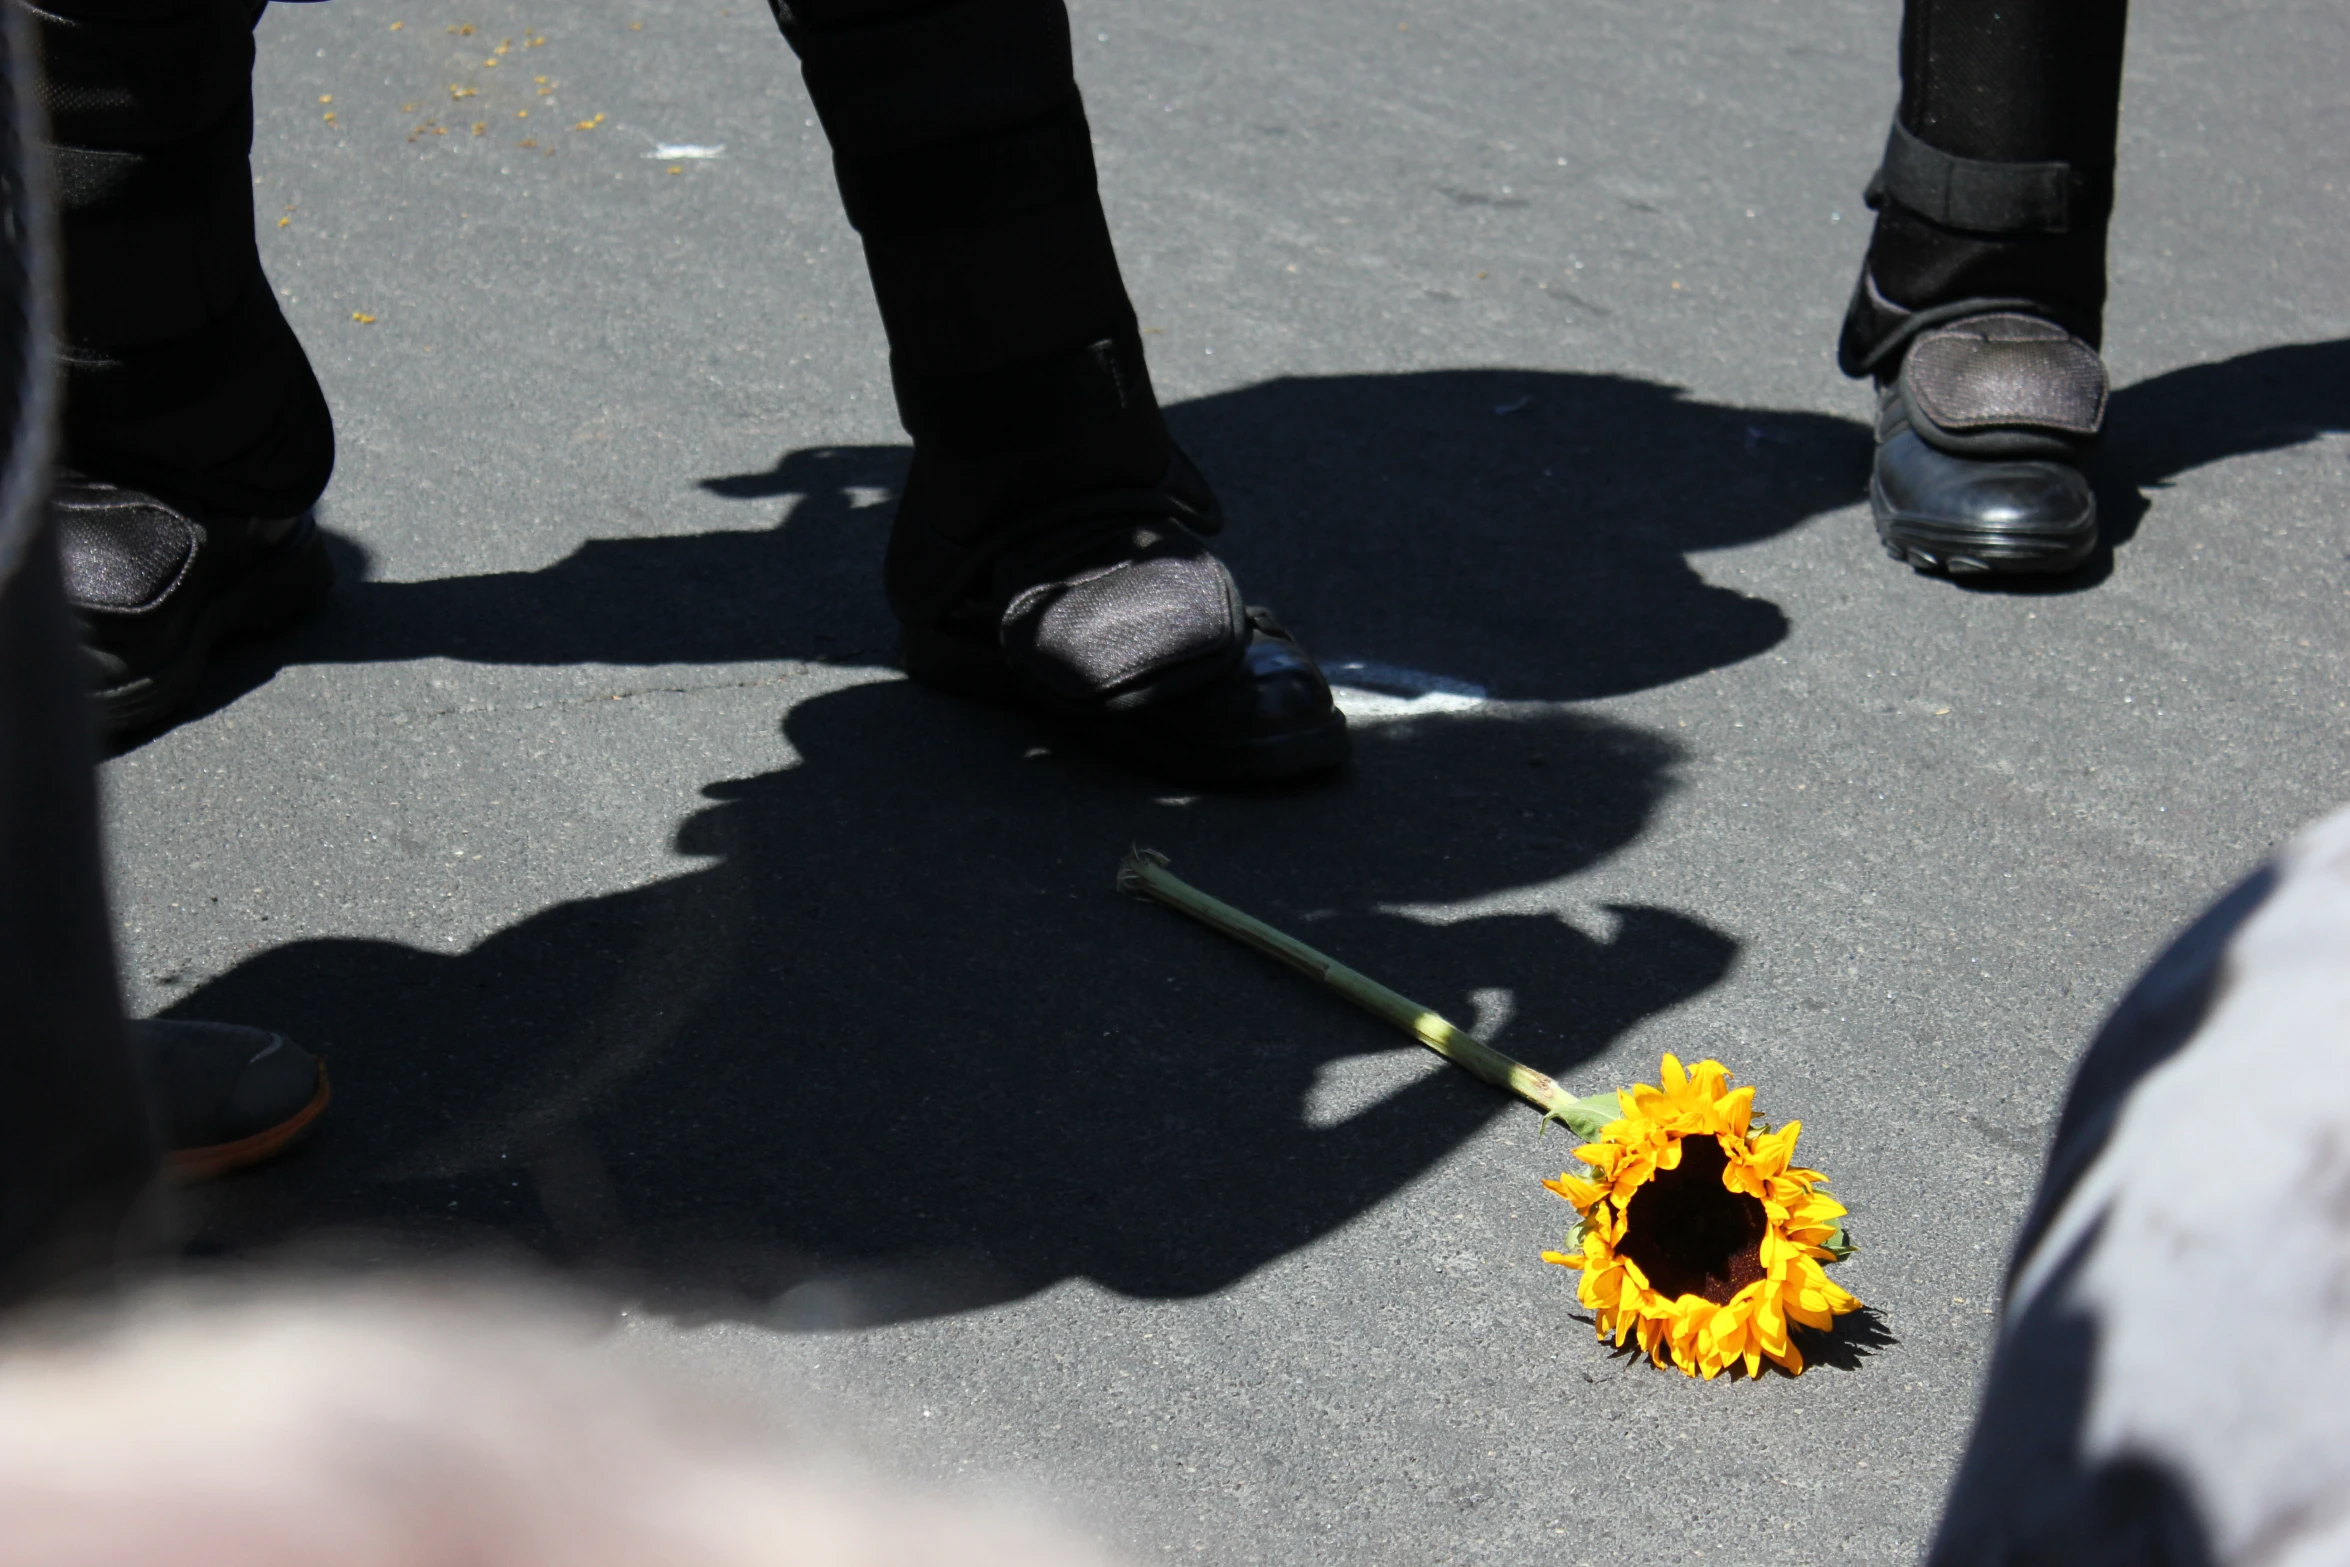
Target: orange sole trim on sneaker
(202, 1164)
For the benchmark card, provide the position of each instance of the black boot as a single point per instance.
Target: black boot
(1980, 306)
(226, 1096)
(1049, 547)
(195, 436)
(156, 588)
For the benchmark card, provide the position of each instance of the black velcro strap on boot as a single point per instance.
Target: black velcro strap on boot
(182, 175)
(930, 577)
(944, 72)
(227, 420)
(2005, 383)
(1029, 406)
(115, 382)
(1877, 331)
(138, 77)
(159, 241)
(152, 121)
(123, 550)
(1985, 197)
(1119, 613)
(973, 180)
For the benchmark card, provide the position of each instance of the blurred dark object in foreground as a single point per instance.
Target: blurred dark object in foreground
(78, 1156)
(87, 1108)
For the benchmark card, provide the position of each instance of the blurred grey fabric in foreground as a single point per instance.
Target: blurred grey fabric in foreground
(2168, 1386)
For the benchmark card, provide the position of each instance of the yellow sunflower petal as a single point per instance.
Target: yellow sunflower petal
(1709, 1085)
(1739, 1173)
(1575, 1189)
(1797, 1312)
(1643, 1106)
(1772, 1150)
(1814, 1207)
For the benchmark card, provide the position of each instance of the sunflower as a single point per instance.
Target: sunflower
(1697, 1234)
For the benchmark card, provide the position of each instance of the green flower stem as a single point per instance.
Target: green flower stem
(1145, 874)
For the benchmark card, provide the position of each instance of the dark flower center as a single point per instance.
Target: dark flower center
(1692, 1235)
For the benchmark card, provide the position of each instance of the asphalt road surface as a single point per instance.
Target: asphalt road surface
(663, 939)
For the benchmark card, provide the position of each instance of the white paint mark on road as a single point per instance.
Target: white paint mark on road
(1368, 688)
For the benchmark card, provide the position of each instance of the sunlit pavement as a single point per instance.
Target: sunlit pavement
(661, 938)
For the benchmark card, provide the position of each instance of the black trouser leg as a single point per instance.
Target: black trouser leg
(77, 1151)
(182, 377)
(1981, 302)
(965, 163)
(1047, 548)
(1998, 177)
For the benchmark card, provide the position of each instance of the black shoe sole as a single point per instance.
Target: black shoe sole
(204, 1164)
(1924, 545)
(960, 667)
(288, 583)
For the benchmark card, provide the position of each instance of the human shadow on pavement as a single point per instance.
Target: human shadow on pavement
(899, 1048)
(1524, 531)
(2196, 415)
